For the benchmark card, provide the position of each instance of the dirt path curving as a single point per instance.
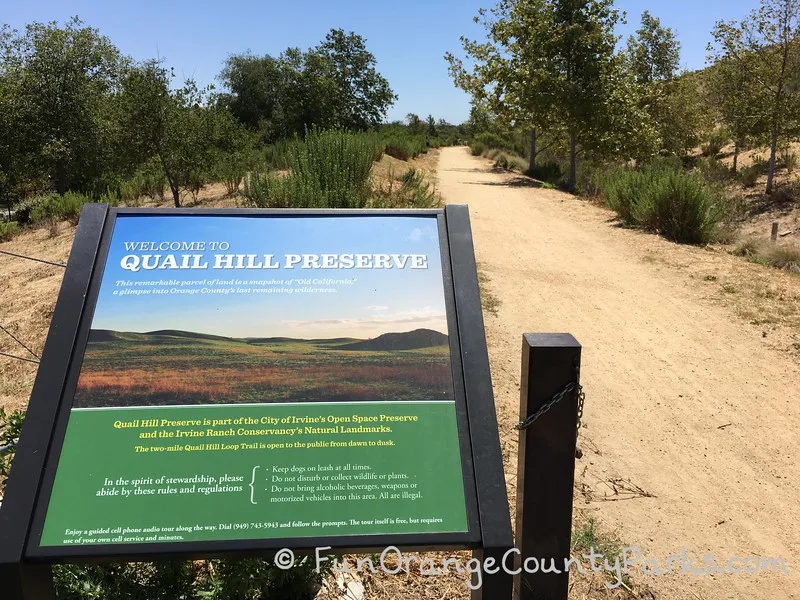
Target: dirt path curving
(686, 400)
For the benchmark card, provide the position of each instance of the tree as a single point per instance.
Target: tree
(14, 155)
(738, 104)
(680, 114)
(652, 58)
(549, 64)
(363, 95)
(415, 124)
(766, 46)
(180, 128)
(65, 76)
(654, 52)
(257, 87)
(431, 123)
(334, 84)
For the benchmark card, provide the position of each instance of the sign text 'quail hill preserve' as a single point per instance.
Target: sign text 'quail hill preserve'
(260, 377)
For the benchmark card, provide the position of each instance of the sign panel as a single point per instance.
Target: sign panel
(257, 377)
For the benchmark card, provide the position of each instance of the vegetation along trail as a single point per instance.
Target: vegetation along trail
(691, 417)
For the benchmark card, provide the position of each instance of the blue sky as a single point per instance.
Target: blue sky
(379, 301)
(408, 38)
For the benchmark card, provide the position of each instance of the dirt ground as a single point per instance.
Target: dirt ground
(763, 211)
(691, 397)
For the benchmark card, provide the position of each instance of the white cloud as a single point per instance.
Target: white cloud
(427, 233)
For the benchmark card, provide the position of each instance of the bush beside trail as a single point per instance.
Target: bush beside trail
(681, 206)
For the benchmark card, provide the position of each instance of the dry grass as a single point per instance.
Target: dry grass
(489, 301)
(194, 384)
(765, 252)
(28, 290)
(389, 169)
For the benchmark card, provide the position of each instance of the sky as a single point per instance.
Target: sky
(409, 39)
(377, 301)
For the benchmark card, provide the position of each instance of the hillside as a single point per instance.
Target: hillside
(412, 340)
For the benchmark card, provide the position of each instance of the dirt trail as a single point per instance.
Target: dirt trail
(684, 399)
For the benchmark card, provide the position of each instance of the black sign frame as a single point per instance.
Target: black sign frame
(28, 490)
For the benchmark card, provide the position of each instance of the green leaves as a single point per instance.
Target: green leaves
(55, 83)
(756, 75)
(551, 65)
(334, 84)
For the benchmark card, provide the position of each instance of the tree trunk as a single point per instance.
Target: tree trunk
(532, 161)
(735, 157)
(61, 176)
(573, 164)
(173, 185)
(176, 197)
(773, 151)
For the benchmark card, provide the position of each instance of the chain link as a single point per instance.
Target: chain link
(568, 389)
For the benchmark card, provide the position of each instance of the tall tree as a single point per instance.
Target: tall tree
(738, 104)
(66, 76)
(652, 59)
(654, 52)
(334, 84)
(180, 128)
(431, 123)
(549, 63)
(415, 124)
(766, 46)
(363, 95)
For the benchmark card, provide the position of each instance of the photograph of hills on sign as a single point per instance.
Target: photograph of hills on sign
(239, 310)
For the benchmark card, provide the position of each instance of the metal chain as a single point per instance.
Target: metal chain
(568, 389)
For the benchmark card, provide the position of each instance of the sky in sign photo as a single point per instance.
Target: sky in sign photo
(287, 302)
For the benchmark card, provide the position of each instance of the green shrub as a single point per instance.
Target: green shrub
(788, 192)
(548, 171)
(276, 154)
(398, 150)
(231, 168)
(716, 141)
(148, 181)
(23, 208)
(749, 175)
(414, 192)
(10, 427)
(111, 197)
(60, 208)
(588, 178)
(477, 148)
(492, 140)
(252, 578)
(622, 190)
(713, 171)
(8, 229)
(788, 159)
(678, 205)
(405, 147)
(329, 169)
(266, 189)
